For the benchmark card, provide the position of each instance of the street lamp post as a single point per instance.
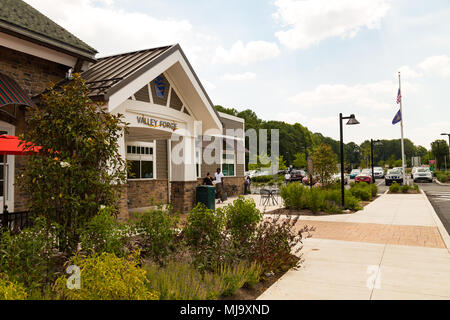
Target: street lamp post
(447, 134)
(437, 155)
(377, 142)
(351, 120)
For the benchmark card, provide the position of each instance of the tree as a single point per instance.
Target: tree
(79, 167)
(300, 160)
(324, 162)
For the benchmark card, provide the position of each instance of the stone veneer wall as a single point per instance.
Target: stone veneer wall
(183, 195)
(234, 186)
(141, 193)
(33, 74)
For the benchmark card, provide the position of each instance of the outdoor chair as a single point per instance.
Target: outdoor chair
(265, 196)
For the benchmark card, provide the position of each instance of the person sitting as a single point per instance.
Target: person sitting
(208, 181)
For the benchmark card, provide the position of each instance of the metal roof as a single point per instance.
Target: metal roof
(114, 70)
(21, 19)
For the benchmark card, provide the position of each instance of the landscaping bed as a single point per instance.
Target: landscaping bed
(395, 188)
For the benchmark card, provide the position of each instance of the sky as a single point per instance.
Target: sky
(300, 61)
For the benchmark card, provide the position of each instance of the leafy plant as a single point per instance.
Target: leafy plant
(11, 290)
(203, 235)
(79, 167)
(405, 188)
(26, 257)
(242, 217)
(158, 232)
(234, 277)
(277, 243)
(362, 190)
(394, 188)
(107, 277)
(104, 233)
(324, 160)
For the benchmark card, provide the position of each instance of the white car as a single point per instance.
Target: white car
(423, 174)
(413, 170)
(337, 177)
(378, 172)
(367, 172)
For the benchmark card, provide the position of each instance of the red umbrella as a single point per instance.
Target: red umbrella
(10, 145)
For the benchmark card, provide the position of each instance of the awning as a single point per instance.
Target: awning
(12, 93)
(9, 145)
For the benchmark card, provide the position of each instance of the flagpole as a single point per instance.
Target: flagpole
(401, 126)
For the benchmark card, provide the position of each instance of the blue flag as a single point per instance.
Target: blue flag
(397, 118)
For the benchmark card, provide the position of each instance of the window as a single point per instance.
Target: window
(228, 162)
(140, 160)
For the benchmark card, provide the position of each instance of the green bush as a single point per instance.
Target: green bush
(262, 179)
(104, 233)
(203, 235)
(316, 199)
(179, 280)
(107, 277)
(242, 217)
(11, 290)
(351, 202)
(157, 231)
(374, 189)
(363, 191)
(26, 257)
(443, 177)
(405, 188)
(394, 188)
(293, 196)
(237, 275)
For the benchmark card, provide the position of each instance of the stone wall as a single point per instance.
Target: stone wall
(145, 193)
(233, 186)
(183, 195)
(33, 74)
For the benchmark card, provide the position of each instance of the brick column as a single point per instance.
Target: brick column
(123, 203)
(182, 195)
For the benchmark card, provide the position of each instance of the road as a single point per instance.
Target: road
(439, 197)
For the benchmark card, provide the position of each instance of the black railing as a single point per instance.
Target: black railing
(14, 221)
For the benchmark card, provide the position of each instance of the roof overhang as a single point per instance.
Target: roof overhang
(11, 93)
(173, 62)
(46, 42)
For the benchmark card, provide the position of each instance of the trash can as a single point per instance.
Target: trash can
(207, 196)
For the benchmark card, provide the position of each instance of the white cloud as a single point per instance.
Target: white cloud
(208, 85)
(253, 51)
(309, 22)
(409, 73)
(239, 76)
(436, 66)
(378, 95)
(113, 30)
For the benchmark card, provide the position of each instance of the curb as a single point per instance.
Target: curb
(441, 183)
(444, 234)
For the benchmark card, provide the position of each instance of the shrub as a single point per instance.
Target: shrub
(416, 187)
(203, 235)
(374, 189)
(443, 176)
(179, 280)
(242, 217)
(405, 188)
(394, 188)
(274, 242)
(104, 233)
(262, 179)
(316, 199)
(293, 196)
(157, 229)
(11, 290)
(362, 191)
(351, 202)
(107, 277)
(26, 257)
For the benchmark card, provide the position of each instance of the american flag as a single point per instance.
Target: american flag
(399, 96)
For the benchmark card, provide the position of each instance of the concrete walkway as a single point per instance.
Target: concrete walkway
(396, 248)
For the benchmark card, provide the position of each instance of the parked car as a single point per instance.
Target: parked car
(366, 171)
(363, 177)
(399, 168)
(354, 173)
(393, 175)
(250, 173)
(297, 175)
(337, 177)
(423, 174)
(413, 170)
(305, 180)
(378, 172)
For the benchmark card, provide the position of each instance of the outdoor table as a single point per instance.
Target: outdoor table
(270, 196)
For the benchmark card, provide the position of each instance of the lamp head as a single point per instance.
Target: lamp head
(352, 120)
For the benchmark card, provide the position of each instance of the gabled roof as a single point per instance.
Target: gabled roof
(117, 70)
(20, 19)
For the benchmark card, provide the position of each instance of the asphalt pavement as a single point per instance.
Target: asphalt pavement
(439, 197)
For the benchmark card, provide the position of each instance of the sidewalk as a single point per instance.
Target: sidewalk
(396, 248)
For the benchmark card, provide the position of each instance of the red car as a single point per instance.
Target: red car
(362, 177)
